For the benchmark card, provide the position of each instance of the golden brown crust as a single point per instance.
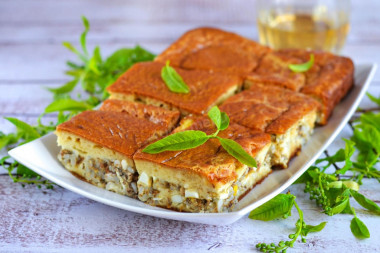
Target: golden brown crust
(151, 113)
(268, 108)
(273, 69)
(210, 159)
(328, 81)
(114, 130)
(216, 50)
(206, 89)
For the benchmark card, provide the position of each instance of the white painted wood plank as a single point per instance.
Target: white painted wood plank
(59, 220)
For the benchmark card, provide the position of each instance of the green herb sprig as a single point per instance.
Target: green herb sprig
(303, 67)
(94, 74)
(281, 206)
(173, 80)
(193, 138)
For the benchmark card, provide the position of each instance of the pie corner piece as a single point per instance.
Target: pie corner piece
(97, 146)
(327, 81)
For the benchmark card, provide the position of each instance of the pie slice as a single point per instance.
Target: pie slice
(206, 178)
(98, 145)
(328, 81)
(287, 115)
(143, 83)
(214, 50)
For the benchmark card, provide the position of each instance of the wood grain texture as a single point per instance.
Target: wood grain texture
(32, 57)
(41, 220)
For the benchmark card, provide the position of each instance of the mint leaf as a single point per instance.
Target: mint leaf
(173, 80)
(275, 208)
(373, 99)
(66, 105)
(303, 67)
(340, 206)
(364, 202)
(310, 229)
(233, 148)
(8, 139)
(359, 229)
(220, 119)
(70, 47)
(178, 141)
(348, 152)
(225, 121)
(86, 25)
(66, 88)
(27, 132)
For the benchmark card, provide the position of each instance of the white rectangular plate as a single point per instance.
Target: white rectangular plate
(41, 156)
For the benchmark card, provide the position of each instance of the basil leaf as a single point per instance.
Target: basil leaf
(178, 141)
(233, 148)
(66, 88)
(22, 170)
(275, 208)
(310, 229)
(303, 67)
(359, 229)
(173, 80)
(220, 119)
(28, 133)
(66, 105)
(364, 202)
(340, 206)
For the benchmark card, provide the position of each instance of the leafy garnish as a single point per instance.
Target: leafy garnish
(359, 229)
(281, 206)
(364, 202)
(303, 67)
(178, 141)
(173, 80)
(233, 148)
(95, 75)
(191, 139)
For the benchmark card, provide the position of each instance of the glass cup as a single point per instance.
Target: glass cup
(305, 24)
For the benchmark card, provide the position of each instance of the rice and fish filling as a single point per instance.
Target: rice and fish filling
(205, 178)
(98, 145)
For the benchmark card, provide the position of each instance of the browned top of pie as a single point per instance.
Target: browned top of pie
(328, 80)
(114, 130)
(214, 50)
(268, 108)
(206, 89)
(151, 113)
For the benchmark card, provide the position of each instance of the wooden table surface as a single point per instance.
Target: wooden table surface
(32, 57)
